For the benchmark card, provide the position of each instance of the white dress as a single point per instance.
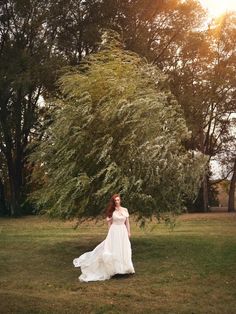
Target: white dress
(112, 256)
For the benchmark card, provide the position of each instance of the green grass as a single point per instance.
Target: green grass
(191, 269)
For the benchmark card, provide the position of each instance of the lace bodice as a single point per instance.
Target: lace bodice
(119, 217)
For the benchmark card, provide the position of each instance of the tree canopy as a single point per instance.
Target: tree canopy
(117, 129)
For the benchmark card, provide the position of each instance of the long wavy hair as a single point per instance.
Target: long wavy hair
(111, 206)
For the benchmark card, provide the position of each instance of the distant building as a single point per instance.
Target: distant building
(223, 190)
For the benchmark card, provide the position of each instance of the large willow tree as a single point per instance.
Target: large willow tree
(117, 129)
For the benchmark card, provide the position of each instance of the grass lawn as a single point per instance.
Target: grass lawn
(191, 269)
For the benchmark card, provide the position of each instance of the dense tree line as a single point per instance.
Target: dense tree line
(37, 38)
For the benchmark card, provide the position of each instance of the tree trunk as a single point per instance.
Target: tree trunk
(15, 198)
(3, 207)
(15, 180)
(205, 193)
(205, 182)
(231, 206)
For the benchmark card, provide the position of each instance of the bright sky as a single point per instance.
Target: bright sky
(217, 7)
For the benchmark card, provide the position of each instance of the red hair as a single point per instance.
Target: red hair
(111, 206)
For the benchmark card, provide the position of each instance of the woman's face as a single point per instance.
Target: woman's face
(117, 201)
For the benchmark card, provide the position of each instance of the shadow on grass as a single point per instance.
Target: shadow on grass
(122, 276)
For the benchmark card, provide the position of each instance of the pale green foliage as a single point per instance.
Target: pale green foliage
(117, 130)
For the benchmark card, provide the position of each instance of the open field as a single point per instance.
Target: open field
(191, 269)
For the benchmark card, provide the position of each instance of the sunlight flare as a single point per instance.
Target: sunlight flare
(218, 7)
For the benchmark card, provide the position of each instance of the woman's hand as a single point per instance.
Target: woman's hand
(129, 234)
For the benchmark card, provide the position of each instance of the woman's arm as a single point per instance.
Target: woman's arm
(109, 221)
(128, 226)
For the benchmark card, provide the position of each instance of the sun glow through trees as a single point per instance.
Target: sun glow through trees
(218, 7)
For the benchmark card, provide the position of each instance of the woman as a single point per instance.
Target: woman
(113, 255)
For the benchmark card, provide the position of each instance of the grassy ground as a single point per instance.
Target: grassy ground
(189, 270)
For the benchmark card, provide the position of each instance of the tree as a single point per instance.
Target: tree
(199, 61)
(117, 128)
(204, 83)
(26, 67)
